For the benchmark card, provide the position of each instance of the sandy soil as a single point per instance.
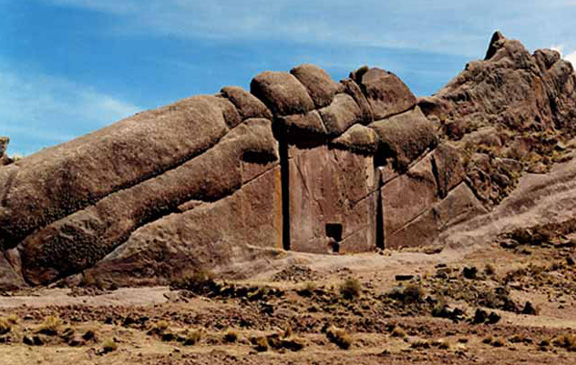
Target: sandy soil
(302, 296)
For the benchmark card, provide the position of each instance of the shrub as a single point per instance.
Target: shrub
(398, 332)
(411, 293)
(199, 282)
(420, 344)
(440, 309)
(567, 341)
(231, 336)
(441, 344)
(308, 289)
(350, 288)
(498, 342)
(261, 344)
(498, 298)
(50, 326)
(339, 337)
(288, 332)
(489, 270)
(494, 341)
(109, 346)
(292, 344)
(13, 318)
(5, 326)
(193, 337)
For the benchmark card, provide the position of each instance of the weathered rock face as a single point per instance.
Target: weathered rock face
(511, 105)
(330, 187)
(300, 162)
(4, 160)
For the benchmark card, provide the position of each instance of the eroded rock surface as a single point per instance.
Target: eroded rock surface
(300, 162)
(4, 159)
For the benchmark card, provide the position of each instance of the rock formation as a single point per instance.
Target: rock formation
(4, 159)
(297, 163)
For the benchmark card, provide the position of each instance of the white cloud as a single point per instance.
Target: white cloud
(571, 57)
(445, 26)
(38, 110)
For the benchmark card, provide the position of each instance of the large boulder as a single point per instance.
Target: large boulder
(47, 186)
(282, 93)
(408, 196)
(247, 104)
(405, 137)
(358, 138)
(386, 93)
(303, 126)
(80, 240)
(320, 86)
(341, 114)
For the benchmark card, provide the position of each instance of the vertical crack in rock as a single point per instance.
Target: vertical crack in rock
(380, 243)
(285, 179)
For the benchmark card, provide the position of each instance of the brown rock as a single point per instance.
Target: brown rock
(341, 114)
(358, 138)
(510, 88)
(486, 136)
(408, 196)
(248, 105)
(224, 106)
(4, 145)
(303, 125)
(404, 137)
(69, 177)
(352, 89)
(318, 83)
(386, 93)
(330, 187)
(220, 236)
(81, 239)
(282, 93)
(448, 168)
(4, 160)
(9, 279)
(460, 205)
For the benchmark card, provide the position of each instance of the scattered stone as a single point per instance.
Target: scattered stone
(296, 274)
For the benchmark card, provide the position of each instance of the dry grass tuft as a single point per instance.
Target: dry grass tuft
(50, 326)
(567, 341)
(340, 337)
(5, 326)
(350, 288)
(193, 337)
(109, 346)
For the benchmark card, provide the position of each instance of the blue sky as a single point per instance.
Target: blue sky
(68, 67)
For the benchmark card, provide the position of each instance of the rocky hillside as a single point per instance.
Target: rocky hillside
(301, 162)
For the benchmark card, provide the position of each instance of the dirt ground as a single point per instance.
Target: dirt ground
(388, 308)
